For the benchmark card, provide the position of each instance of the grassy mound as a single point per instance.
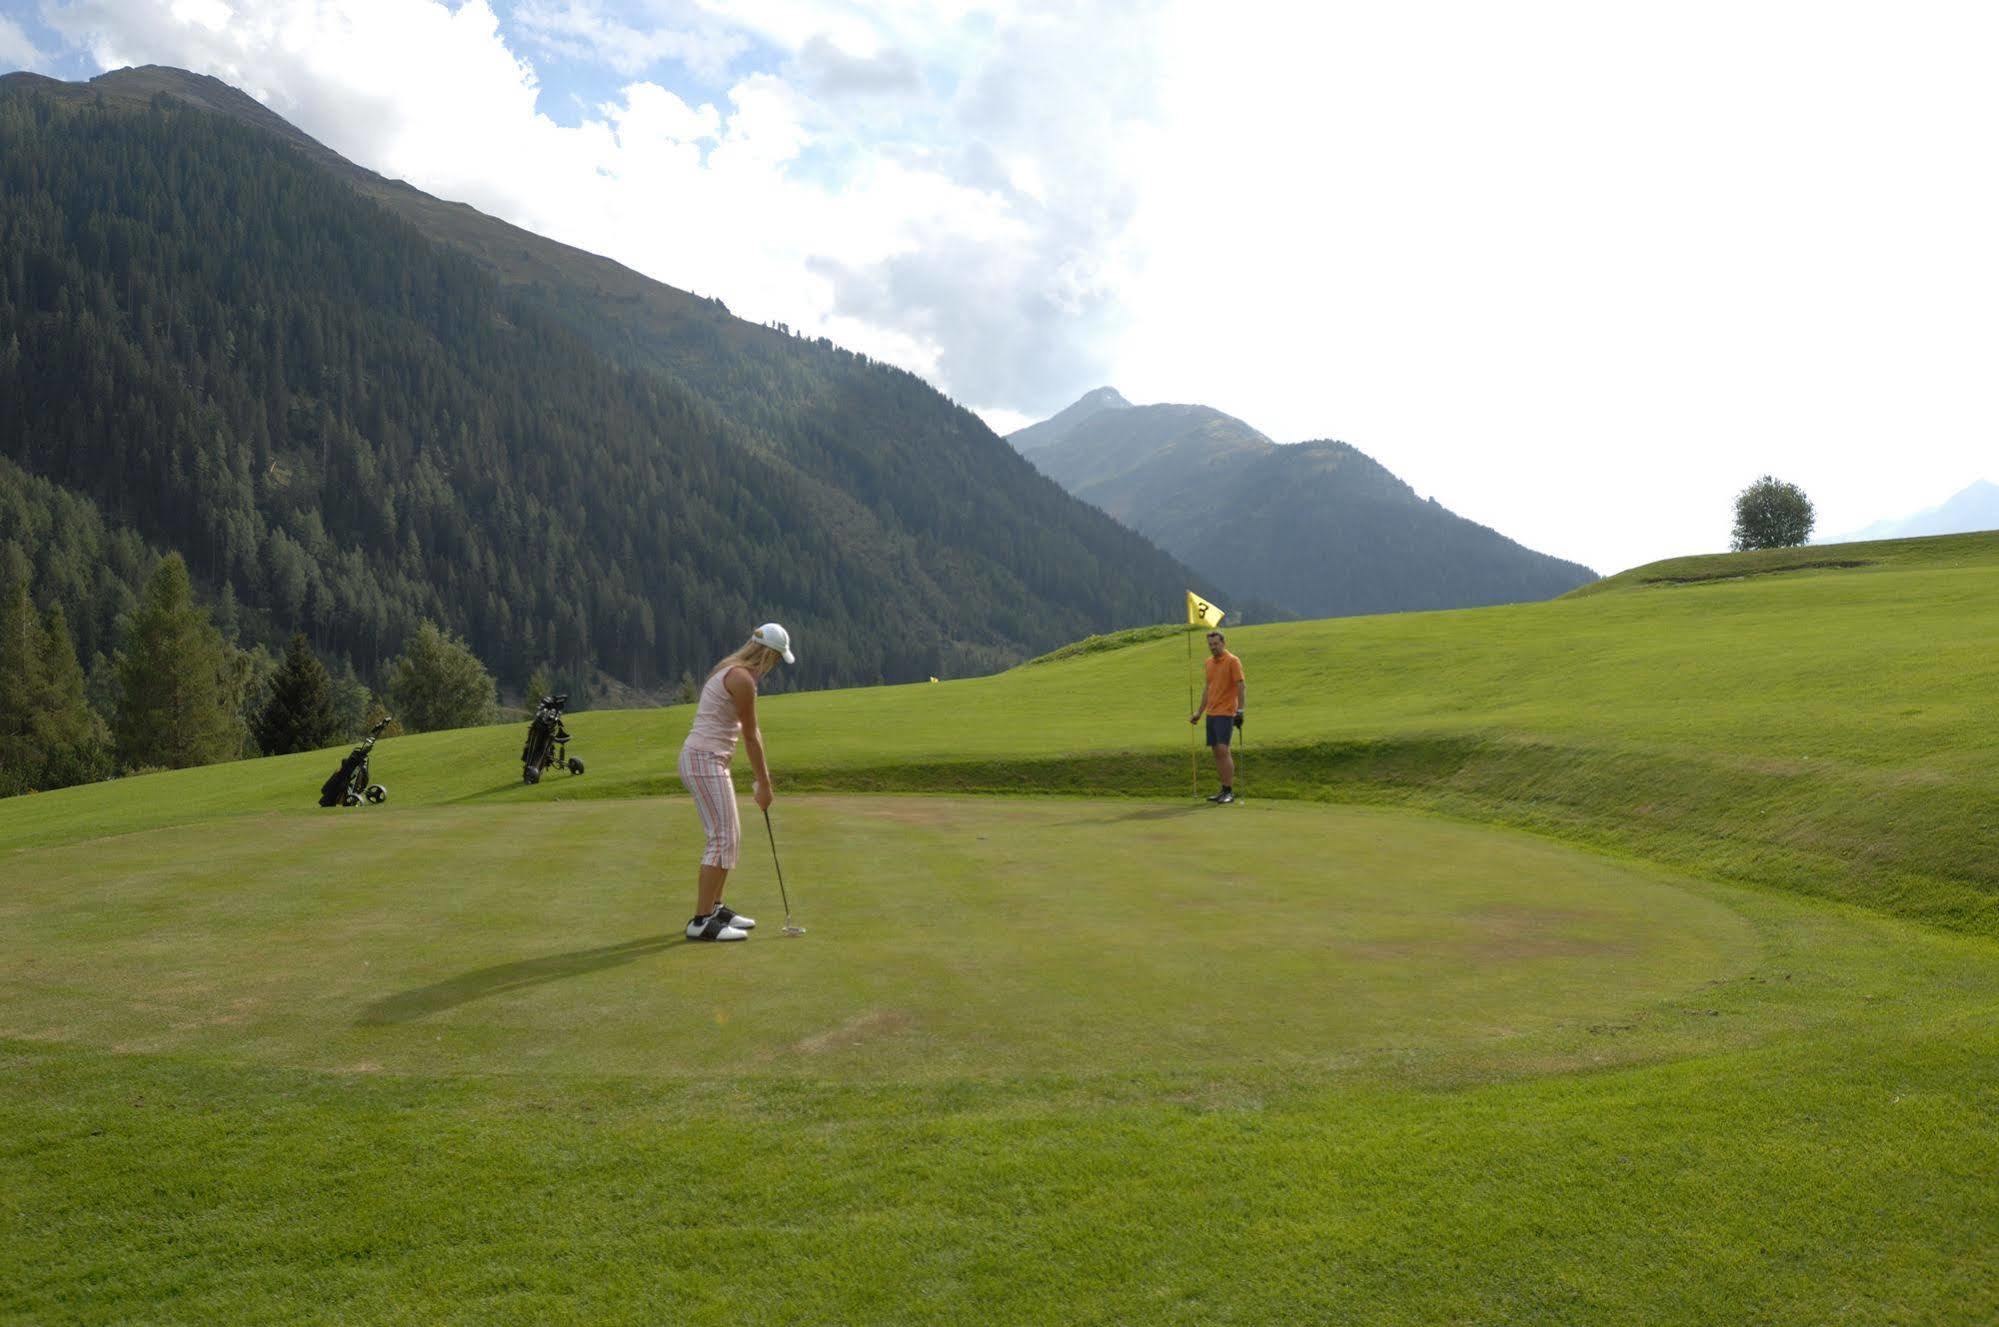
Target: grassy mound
(1114, 640)
(1934, 551)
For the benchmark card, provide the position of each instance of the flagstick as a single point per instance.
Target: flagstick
(1193, 752)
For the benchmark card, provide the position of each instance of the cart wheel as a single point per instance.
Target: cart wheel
(351, 799)
(575, 765)
(377, 793)
(529, 774)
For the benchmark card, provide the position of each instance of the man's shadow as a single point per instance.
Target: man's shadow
(478, 985)
(1171, 812)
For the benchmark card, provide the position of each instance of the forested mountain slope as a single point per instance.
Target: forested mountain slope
(1319, 528)
(329, 393)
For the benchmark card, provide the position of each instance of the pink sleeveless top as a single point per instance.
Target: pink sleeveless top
(717, 727)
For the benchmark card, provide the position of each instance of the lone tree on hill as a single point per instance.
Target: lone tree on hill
(1772, 514)
(439, 683)
(299, 715)
(174, 707)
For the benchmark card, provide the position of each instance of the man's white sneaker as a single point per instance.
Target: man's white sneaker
(714, 927)
(730, 917)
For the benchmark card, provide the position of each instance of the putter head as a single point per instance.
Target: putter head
(791, 928)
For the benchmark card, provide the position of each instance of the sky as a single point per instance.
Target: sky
(1579, 271)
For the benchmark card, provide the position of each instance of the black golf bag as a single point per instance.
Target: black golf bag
(350, 784)
(548, 742)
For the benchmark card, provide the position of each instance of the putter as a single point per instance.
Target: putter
(789, 928)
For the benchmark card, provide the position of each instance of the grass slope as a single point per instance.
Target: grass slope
(1081, 1059)
(1826, 731)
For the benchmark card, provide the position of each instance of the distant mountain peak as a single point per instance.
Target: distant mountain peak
(1318, 528)
(139, 84)
(1973, 508)
(1059, 426)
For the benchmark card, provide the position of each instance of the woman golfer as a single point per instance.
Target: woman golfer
(727, 710)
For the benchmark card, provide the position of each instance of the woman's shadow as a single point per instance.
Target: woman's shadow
(509, 977)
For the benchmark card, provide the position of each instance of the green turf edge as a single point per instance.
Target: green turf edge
(1706, 818)
(1705, 568)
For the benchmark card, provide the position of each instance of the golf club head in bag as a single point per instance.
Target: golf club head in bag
(791, 928)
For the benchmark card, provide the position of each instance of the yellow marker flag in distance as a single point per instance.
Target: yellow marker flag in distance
(1202, 613)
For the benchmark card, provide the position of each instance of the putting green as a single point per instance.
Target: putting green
(946, 938)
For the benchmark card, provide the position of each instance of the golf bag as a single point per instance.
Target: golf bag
(350, 784)
(548, 742)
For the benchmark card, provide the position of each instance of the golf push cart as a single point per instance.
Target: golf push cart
(350, 784)
(548, 742)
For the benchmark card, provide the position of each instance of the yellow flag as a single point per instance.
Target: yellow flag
(1201, 612)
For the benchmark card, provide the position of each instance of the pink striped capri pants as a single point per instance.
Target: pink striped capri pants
(706, 775)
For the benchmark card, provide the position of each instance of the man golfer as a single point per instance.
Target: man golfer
(1222, 702)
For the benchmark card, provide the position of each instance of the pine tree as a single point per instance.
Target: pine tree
(173, 705)
(100, 686)
(246, 679)
(352, 701)
(23, 691)
(76, 745)
(439, 683)
(299, 715)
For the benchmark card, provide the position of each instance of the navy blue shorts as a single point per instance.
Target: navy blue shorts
(1220, 728)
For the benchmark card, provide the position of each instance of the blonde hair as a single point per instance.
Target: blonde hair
(752, 654)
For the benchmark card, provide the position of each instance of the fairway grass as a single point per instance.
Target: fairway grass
(1714, 1040)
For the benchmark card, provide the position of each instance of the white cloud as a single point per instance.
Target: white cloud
(16, 50)
(214, 15)
(585, 29)
(971, 236)
(1580, 271)
(790, 24)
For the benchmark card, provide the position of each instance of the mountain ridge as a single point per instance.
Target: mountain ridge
(1970, 510)
(349, 466)
(1059, 426)
(1318, 527)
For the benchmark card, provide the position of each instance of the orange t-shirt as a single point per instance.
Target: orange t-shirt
(1223, 674)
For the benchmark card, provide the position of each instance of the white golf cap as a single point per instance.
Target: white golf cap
(776, 637)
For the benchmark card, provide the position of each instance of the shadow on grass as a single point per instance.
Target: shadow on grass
(1144, 813)
(505, 786)
(582, 788)
(464, 989)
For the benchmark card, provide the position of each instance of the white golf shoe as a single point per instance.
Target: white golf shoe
(730, 917)
(714, 927)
